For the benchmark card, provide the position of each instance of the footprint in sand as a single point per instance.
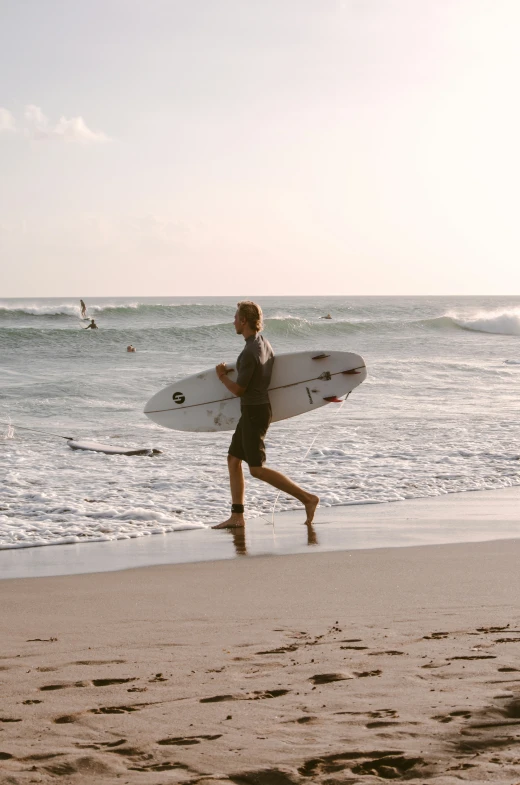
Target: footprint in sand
(389, 767)
(305, 720)
(48, 687)
(281, 650)
(474, 657)
(118, 709)
(108, 682)
(326, 678)
(184, 741)
(391, 653)
(507, 640)
(264, 777)
(251, 696)
(369, 763)
(452, 715)
(95, 682)
(101, 744)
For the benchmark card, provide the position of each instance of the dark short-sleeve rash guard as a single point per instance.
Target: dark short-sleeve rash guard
(255, 366)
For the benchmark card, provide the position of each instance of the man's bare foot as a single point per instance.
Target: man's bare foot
(310, 507)
(235, 521)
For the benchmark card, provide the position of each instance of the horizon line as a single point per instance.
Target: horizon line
(234, 296)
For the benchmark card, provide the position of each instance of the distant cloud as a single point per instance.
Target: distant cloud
(7, 121)
(37, 126)
(72, 130)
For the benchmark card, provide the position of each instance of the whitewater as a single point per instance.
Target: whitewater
(438, 413)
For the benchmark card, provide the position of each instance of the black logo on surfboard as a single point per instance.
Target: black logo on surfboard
(178, 397)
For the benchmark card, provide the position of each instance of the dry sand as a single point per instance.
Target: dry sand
(345, 667)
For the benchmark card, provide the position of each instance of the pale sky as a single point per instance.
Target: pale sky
(290, 147)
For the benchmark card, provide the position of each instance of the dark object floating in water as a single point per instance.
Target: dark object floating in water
(108, 449)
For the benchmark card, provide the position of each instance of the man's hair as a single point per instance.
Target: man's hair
(252, 313)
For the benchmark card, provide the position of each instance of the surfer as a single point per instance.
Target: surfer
(83, 309)
(254, 368)
(91, 326)
(326, 317)
(130, 348)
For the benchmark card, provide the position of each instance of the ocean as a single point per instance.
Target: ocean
(438, 413)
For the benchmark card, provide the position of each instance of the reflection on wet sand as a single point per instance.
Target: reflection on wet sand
(312, 537)
(239, 538)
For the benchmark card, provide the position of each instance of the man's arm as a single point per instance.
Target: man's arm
(233, 387)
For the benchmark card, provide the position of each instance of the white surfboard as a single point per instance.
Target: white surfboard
(109, 449)
(301, 382)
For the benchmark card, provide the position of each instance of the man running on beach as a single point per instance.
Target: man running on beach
(254, 368)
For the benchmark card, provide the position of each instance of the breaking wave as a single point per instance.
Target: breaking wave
(505, 322)
(71, 310)
(499, 322)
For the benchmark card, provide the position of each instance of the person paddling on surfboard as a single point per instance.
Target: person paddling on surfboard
(254, 368)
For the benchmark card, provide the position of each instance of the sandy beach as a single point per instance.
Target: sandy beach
(354, 666)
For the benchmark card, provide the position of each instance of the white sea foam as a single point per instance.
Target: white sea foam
(66, 309)
(63, 309)
(504, 322)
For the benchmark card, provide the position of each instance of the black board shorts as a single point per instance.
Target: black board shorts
(247, 443)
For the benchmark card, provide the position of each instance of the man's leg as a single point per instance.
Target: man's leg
(236, 482)
(283, 483)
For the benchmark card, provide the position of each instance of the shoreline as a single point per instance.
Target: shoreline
(470, 516)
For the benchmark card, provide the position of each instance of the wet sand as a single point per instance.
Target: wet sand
(458, 517)
(353, 666)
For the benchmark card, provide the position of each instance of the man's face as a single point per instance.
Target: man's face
(239, 323)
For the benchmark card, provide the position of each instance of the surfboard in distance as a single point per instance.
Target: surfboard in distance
(109, 449)
(301, 382)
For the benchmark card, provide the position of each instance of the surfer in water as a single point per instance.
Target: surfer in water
(91, 326)
(254, 368)
(83, 309)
